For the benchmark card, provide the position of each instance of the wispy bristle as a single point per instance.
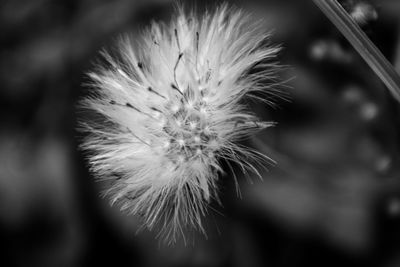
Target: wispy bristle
(170, 108)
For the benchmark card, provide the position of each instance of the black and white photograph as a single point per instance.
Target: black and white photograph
(200, 133)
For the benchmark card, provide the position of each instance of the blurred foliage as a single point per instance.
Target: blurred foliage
(333, 199)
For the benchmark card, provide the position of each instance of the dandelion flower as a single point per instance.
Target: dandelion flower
(169, 107)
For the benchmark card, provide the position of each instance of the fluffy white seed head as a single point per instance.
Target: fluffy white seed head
(169, 107)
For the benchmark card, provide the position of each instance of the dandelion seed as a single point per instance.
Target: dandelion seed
(197, 139)
(170, 107)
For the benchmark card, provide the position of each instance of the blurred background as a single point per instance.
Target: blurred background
(333, 199)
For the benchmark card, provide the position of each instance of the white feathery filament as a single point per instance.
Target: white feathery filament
(168, 107)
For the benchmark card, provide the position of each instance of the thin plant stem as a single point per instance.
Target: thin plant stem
(364, 46)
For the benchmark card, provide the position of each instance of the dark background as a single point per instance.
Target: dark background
(333, 199)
